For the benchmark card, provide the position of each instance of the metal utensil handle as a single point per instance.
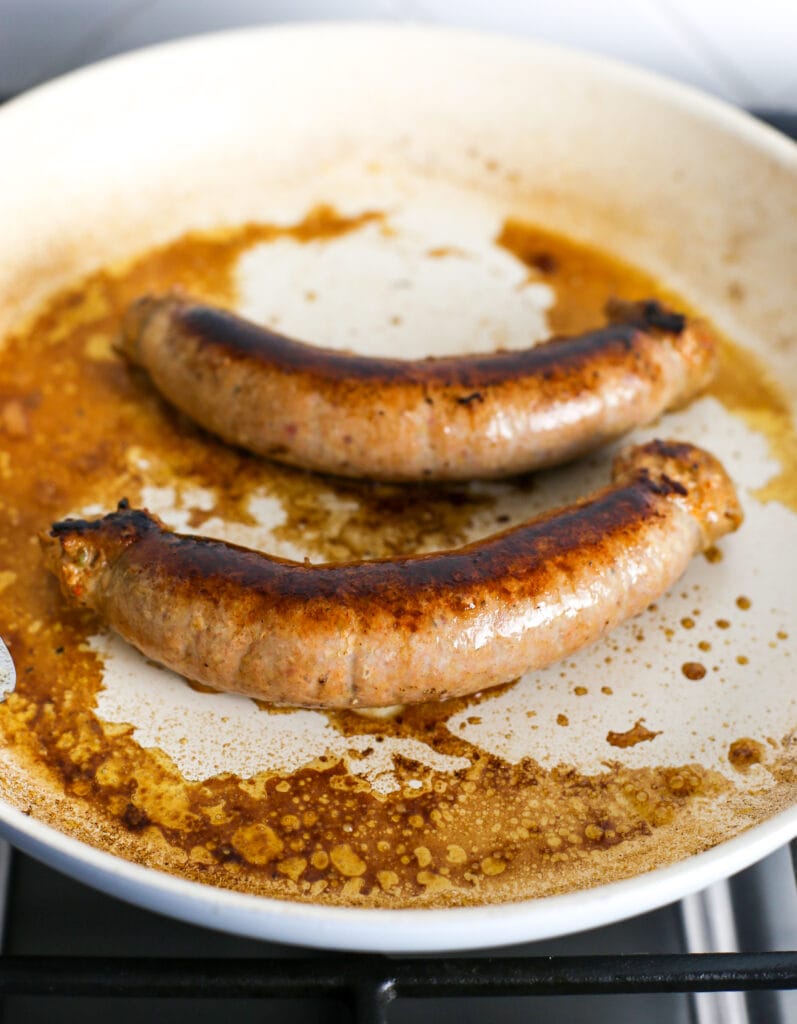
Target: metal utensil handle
(8, 674)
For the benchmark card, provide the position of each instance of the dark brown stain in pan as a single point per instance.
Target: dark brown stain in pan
(491, 831)
(746, 752)
(638, 733)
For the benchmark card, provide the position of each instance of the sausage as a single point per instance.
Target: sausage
(455, 418)
(399, 630)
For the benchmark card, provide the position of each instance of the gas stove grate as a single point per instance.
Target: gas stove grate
(368, 984)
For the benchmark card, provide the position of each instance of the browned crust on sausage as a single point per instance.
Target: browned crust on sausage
(458, 417)
(402, 629)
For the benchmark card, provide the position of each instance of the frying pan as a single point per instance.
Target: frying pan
(447, 134)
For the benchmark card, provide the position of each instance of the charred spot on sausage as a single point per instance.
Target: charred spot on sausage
(474, 396)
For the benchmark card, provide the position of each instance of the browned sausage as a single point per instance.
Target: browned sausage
(391, 419)
(402, 629)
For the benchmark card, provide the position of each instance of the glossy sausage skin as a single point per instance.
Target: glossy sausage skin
(455, 418)
(403, 629)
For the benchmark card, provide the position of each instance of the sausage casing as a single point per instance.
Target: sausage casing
(457, 418)
(406, 629)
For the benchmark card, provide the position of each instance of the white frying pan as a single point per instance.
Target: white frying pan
(446, 133)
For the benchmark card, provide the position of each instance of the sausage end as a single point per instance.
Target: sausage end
(79, 552)
(691, 476)
(146, 321)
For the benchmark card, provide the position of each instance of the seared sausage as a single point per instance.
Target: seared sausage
(391, 419)
(406, 629)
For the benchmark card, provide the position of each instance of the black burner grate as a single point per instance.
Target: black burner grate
(48, 913)
(368, 984)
